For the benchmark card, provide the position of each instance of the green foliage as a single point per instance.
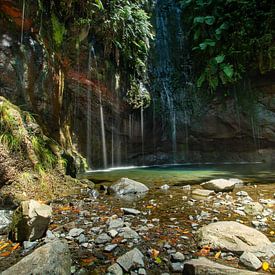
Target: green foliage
(229, 39)
(8, 123)
(58, 30)
(138, 96)
(47, 159)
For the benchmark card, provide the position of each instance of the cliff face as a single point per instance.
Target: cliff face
(80, 100)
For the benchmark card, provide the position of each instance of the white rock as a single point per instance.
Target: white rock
(231, 236)
(202, 192)
(250, 261)
(126, 186)
(219, 185)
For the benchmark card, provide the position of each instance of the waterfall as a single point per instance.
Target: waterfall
(142, 133)
(89, 111)
(22, 22)
(169, 65)
(104, 150)
(101, 113)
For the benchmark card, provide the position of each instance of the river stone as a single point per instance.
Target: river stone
(178, 257)
(102, 238)
(219, 185)
(130, 211)
(5, 221)
(202, 192)
(250, 261)
(253, 208)
(266, 251)
(75, 232)
(202, 266)
(30, 221)
(115, 223)
(131, 259)
(128, 233)
(231, 236)
(115, 269)
(52, 258)
(126, 186)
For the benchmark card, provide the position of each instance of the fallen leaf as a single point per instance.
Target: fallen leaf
(5, 254)
(265, 266)
(158, 260)
(4, 246)
(15, 246)
(154, 253)
(88, 261)
(204, 251)
(218, 254)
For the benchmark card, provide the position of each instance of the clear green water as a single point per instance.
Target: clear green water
(189, 174)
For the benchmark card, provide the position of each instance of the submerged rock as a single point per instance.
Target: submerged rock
(51, 258)
(131, 259)
(126, 186)
(130, 211)
(203, 266)
(30, 221)
(231, 236)
(219, 185)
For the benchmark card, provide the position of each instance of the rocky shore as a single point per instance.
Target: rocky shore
(134, 230)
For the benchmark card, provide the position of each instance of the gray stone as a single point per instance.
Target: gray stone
(115, 269)
(142, 271)
(219, 185)
(112, 233)
(242, 194)
(131, 259)
(102, 238)
(231, 236)
(115, 223)
(177, 267)
(202, 192)
(81, 239)
(50, 259)
(5, 221)
(31, 220)
(203, 266)
(253, 208)
(186, 187)
(29, 245)
(165, 187)
(75, 232)
(130, 211)
(110, 247)
(265, 252)
(126, 186)
(128, 233)
(178, 257)
(250, 261)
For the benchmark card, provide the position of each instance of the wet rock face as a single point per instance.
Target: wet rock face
(51, 258)
(30, 221)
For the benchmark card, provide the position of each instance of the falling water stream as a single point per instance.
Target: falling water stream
(22, 23)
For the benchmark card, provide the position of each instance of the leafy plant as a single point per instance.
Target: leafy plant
(229, 39)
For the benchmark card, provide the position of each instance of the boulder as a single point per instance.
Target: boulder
(250, 261)
(126, 186)
(202, 266)
(30, 221)
(219, 185)
(5, 221)
(130, 260)
(231, 236)
(52, 258)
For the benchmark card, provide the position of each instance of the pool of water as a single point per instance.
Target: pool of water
(182, 174)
